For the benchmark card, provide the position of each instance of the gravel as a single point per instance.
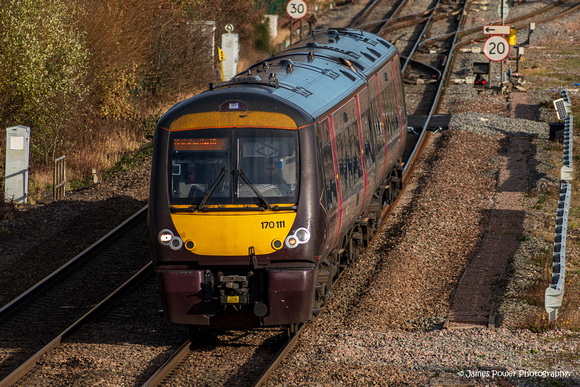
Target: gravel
(495, 126)
(383, 325)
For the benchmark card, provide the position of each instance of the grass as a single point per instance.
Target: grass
(109, 153)
(130, 161)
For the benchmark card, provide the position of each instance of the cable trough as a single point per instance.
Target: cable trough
(555, 291)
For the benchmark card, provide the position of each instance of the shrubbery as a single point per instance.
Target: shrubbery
(90, 77)
(43, 68)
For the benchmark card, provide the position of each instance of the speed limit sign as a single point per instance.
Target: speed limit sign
(496, 48)
(296, 9)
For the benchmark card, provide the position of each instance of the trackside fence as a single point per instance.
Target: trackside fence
(59, 179)
(555, 291)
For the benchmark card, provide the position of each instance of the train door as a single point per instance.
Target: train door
(400, 102)
(324, 134)
(390, 116)
(366, 138)
(377, 127)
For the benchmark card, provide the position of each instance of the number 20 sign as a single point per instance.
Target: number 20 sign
(496, 48)
(296, 9)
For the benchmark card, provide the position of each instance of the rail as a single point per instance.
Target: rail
(444, 79)
(281, 355)
(23, 369)
(53, 277)
(555, 291)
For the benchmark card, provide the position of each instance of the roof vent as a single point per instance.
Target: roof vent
(348, 75)
(288, 63)
(347, 63)
(332, 35)
(369, 56)
(385, 43)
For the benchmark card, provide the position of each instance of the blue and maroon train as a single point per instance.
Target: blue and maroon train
(264, 187)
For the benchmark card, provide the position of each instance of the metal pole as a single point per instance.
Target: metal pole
(502, 23)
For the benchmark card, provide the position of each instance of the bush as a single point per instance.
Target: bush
(90, 77)
(42, 72)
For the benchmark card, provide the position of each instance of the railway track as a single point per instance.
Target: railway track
(39, 319)
(42, 339)
(420, 54)
(163, 375)
(185, 352)
(260, 349)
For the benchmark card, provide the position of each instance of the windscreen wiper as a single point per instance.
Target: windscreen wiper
(253, 187)
(201, 205)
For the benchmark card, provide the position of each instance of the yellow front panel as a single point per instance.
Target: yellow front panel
(229, 234)
(233, 119)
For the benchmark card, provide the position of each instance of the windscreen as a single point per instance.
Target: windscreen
(234, 166)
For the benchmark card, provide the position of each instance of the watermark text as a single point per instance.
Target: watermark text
(513, 374)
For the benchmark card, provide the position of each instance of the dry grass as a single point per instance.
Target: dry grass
(144, 57)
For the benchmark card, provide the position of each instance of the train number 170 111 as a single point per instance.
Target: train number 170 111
(272, 224)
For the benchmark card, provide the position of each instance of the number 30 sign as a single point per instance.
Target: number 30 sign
(296, 9)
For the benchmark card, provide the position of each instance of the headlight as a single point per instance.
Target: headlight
(189, 245)
(302, 235)
(167, 238)
(176, 243)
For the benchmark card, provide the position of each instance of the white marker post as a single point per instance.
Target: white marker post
(231, 49)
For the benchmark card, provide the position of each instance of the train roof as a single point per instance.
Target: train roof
(318, 72)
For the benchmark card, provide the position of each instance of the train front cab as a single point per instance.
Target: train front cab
(230, 246)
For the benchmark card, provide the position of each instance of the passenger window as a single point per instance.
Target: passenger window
(329, 178)
(377, 125)
(368, 140)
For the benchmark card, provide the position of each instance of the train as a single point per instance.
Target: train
(265, 187)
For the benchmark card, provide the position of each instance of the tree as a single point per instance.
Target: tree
(44, 63)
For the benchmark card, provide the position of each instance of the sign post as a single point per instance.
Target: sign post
(296, 9)
(503, 10)
(496, 30)
(496, 48)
